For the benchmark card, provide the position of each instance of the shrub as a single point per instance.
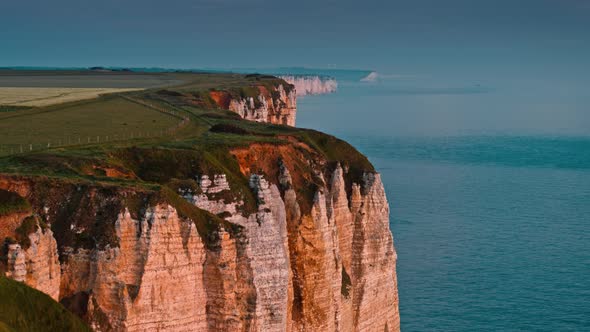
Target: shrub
(11, 202)
(228, 128)
(28, 226)
(169, 93)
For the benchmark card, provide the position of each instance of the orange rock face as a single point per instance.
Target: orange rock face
(38, 265)
(323, 262)
(221, 98)
(277, 107)
(9, 223)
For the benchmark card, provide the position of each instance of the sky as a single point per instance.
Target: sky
(535, 38)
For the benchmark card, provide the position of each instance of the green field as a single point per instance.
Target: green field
(87, 79)
(120, 117)
(105, 119)
(148, 118)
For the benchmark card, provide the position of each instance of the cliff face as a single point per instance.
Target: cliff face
(272, 104)
(37, 265)
(234, 227)
(327, 266)
(311, 85)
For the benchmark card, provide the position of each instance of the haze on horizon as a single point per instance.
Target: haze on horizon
(457, 37)
(527, 60)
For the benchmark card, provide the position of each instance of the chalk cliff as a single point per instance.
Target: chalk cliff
(37, 265)
(311, 85)
(274, 104)
(258, 232)
(325, 262)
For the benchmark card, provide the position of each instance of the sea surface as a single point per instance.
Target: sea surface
(489, 191)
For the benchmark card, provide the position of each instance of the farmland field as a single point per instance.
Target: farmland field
(81, 122)
(28, 124)
(85, 79)
(34, 96)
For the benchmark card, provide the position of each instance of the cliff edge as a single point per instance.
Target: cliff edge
(232, 225)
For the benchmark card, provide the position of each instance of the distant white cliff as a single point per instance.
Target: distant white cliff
(311, 85)
(372, 77)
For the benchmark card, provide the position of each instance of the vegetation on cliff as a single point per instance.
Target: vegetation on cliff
(205, 222)
(28, 226)
(26, 309)
(11, 202)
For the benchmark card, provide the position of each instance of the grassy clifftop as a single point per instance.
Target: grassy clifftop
(25, 309)
(136, 159)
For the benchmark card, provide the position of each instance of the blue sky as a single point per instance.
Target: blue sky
(452, 37)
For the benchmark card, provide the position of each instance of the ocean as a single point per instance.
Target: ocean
(489, 191)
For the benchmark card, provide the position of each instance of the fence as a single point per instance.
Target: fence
(67, 141)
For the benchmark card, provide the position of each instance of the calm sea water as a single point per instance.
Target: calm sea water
(489, 194)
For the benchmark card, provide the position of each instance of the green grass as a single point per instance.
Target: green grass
(78, 122)
(25, 309)
(91, 121)
(221, 81)
(203, 147)
(187, 160)
(7, 108)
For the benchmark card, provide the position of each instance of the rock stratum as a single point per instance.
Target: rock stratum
(248, 227)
